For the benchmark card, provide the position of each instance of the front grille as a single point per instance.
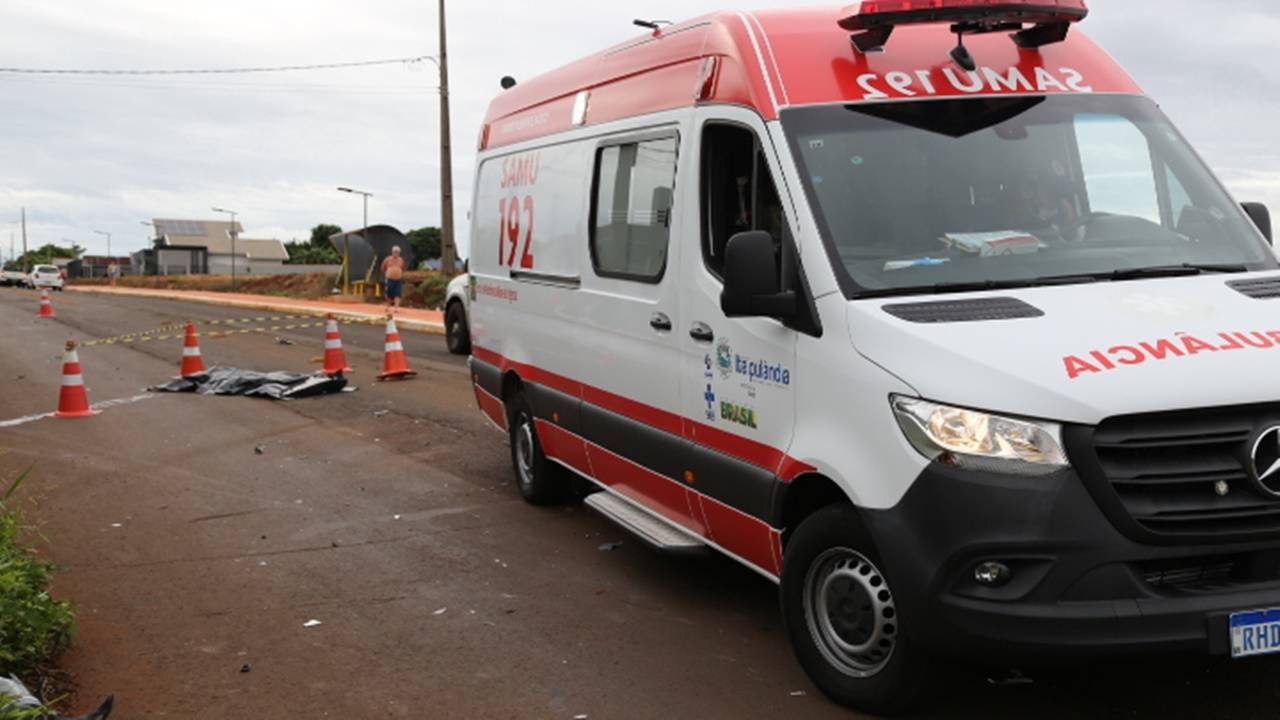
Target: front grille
(1213, 573)
(1203, 575)
(1161, 474)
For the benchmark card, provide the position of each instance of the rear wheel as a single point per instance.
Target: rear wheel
(541, 482)
(843, 619)
(456, 334)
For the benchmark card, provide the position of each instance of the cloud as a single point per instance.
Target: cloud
(106, 153)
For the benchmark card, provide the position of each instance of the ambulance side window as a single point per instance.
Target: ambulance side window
(1118, 169)
(1179, 200)
(631, 210)
(738, 192)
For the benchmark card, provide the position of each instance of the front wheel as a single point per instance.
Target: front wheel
(456, 334)
(541, 482)
(842, 617)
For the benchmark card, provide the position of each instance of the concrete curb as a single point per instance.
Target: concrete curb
(423, 326)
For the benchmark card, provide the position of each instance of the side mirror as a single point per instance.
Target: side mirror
(1260, 216)
(466, 265)
(751, 286)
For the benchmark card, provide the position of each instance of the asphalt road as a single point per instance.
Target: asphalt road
(440, 594)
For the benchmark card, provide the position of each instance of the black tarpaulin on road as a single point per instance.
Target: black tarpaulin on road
(248, 383)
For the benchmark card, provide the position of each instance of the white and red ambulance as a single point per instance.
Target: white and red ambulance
(920, 309)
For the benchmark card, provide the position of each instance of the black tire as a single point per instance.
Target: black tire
(831, 557)
(456, 333)
(540, 481)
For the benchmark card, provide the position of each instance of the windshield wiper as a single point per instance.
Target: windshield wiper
(1183, 270)
(1157, 271)
(1179, 270)
(946, 288)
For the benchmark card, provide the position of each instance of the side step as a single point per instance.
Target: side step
(653, 532)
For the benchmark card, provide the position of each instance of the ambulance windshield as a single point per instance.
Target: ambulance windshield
(940, 195)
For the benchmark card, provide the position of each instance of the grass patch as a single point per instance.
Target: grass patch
(34, 628)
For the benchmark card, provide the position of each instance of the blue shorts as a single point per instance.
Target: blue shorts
(395, 288)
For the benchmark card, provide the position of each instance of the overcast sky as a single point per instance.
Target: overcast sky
(85, 154)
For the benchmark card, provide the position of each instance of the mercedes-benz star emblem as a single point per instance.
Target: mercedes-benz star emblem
(1266, 458)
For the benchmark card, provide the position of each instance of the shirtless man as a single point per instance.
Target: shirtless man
(393, 271)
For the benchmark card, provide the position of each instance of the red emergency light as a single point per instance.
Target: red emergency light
(1050, 20)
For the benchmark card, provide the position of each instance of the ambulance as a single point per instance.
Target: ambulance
(920, 309)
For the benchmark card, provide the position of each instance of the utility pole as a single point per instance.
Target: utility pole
(448, 251)
(24, 240)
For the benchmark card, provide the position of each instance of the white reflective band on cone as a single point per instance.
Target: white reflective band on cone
(71, 356)
(391, 326)
(395, 347)
(190, 352)
(332, 327)
(332, 344)
(72, 380)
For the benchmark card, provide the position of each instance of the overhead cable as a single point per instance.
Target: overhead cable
(214, 71)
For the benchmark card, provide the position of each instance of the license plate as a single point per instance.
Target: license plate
(1255, 633)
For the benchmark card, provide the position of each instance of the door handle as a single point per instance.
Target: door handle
(702, 332)
(660, 322)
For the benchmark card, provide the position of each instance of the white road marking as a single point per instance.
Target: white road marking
(97, 406)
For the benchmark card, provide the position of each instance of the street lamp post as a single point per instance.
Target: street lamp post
(148, 241)
(104, 232)
(346, 244)
(233, 214)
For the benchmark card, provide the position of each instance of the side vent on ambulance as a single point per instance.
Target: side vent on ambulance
(964, 310)
(1260, 289)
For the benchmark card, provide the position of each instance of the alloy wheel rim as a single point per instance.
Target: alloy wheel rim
(524, 452)
(850, 612)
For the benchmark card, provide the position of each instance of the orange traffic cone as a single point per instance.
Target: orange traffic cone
(394, 364)
(192, 362)
(73, 402)
(46, 307)
(335, 358)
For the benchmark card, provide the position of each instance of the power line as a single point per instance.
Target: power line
(216, 71)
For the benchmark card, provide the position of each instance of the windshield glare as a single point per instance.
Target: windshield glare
(916, 195)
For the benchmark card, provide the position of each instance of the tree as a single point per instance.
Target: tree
(320, 234)
(425, 243)
(44, 255)
(308, 254)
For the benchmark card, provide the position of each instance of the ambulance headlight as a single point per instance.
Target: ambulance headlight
(979, 441)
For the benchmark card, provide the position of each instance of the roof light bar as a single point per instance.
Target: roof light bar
(1050, 20)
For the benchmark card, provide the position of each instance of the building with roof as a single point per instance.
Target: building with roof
(177, 240)
(97, 266)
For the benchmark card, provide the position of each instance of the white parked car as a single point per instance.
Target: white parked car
(46, 276)
(11, 278)
(457, 333)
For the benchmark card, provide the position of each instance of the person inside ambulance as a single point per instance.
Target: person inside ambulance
(740, 191)
(1042, 202)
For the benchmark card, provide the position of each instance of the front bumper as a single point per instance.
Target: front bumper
(1079, 587)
